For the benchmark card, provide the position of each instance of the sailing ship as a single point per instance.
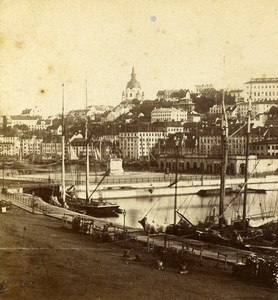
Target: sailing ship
(258, 229)
(93, 207)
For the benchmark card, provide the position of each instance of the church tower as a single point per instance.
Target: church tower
(133, 89)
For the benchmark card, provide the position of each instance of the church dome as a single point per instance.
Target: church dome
(133, 83)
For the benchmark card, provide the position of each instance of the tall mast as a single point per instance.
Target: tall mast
(176, 182)
(224, 160)
(87, 150)
(63, 150)
(3, 177)
(247, 157)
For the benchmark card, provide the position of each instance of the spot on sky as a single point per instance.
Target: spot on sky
(42, 91)
(50, 68)
(153, 18)
(130, 30)
(124, 64)
(1, 40)
(160, 30)
(19, 44)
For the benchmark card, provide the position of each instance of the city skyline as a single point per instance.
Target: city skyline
(44, 44)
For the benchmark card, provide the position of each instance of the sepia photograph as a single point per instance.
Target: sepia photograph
(138, 149)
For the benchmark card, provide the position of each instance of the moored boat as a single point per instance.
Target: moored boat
(93, 207)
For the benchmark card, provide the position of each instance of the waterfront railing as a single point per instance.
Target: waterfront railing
(132, 180)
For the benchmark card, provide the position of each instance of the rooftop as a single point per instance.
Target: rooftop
(262, 80)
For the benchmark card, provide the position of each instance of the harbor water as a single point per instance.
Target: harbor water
(195, 208)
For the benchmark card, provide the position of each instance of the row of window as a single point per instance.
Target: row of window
(266, 93)
(259, 86)
(146, 134)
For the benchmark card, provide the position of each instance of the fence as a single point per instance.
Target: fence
(29, 201)
(146, 178)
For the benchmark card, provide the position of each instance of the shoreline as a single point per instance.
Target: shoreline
(60, 264)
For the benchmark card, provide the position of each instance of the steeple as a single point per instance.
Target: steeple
(133, 83)
(133, 88)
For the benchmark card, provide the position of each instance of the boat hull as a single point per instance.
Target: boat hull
(99, 210)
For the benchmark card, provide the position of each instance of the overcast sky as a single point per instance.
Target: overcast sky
(171, 44)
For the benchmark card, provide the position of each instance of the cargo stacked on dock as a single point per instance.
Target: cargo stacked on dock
(258, 269)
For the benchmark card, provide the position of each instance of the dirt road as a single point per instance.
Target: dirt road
(39, 260)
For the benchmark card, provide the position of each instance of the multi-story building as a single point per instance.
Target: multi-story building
(43, 124)
(264, 148)
(167, 95)
(257, 107)
(168, 115)
(210, 140)
(31, 147)
(260, 107)
(238, 94)
(261, 89)
(203, 87)
(9, 146)
(217, 109)
(138, 144)
(242, 109)
(172, 127)
(193, 117)
(51, 150)
(30, 121)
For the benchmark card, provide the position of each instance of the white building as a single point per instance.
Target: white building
(257, 107)
(261, 89)
(168, 115)
(173, 127)
(203, 87)
(30, 121)
(121, 109)
(43, 124)
(50, 150)
(216, 110)
(31, 146)
(35, 111)
(136, 145)
(9, 146)
(194, 117)
(94, 110)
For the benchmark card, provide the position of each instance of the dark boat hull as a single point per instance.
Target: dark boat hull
(228, 191)
(99, 211)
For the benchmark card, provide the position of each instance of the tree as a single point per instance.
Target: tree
(22, 127)
(273, 111)
(203, 104)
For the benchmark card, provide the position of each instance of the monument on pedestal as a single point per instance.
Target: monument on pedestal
(115, 166)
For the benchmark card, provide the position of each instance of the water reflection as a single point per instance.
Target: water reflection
(194, 207)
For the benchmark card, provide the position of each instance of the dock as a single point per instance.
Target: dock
(220, 256)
